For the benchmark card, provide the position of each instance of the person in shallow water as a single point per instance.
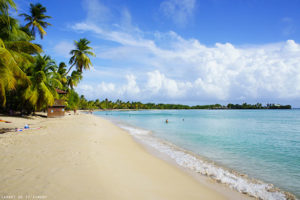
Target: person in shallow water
(167, 121)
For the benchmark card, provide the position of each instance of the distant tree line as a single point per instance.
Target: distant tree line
(258, 106)
(84, 104)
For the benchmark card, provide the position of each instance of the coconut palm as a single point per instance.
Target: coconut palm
(73, 100)
(4, 6)
(43, 83)
(15, 55)
(36, 19)
(80, 55)
(62, 68)
(74, 79)
(9, 70)
(17, 41)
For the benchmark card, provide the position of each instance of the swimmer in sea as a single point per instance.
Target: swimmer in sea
(167, 121)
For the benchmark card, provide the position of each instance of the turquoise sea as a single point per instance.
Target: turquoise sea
(226, 145)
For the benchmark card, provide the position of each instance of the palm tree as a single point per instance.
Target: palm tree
(73, 100)
(74, 79)
(15, 54)
(61, 74)
(9, 70)
(80, 55)
(43, 83)
(4, 6)
(62, 68)
(36, 19)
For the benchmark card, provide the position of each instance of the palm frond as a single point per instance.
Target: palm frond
(4, 6)
(23, 46)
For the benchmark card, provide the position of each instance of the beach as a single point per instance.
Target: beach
(238, 148)
(88, 157)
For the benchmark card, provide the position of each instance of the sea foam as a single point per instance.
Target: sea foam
(183, 158)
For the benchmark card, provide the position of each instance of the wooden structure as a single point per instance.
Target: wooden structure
(58, 108)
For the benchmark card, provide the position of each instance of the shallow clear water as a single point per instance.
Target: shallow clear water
(264, 144)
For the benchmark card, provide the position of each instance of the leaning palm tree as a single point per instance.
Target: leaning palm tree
(80, 55)
(15, 54)
(74, 79)
(36, 19)
(9, 70)
(61, 74)
(43, 83)
(62, 68)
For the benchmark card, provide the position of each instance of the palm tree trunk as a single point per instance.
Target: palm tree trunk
(69, 69)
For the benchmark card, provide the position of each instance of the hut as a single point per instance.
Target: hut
(58, 108)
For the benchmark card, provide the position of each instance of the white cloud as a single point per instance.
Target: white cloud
(108, 89)
(179, 11)
(131, 89)
(96, 11)
(159, 84)
(63, 48)
(172, 68)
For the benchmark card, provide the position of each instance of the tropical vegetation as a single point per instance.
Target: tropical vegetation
(36, 19)
(106, 104)
(29, 78)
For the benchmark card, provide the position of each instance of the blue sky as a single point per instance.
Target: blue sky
(182, 51)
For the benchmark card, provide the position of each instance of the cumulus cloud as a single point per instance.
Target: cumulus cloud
(172, 68)
(179, 11)
(222, 72)
(108, 89)
(159, 84)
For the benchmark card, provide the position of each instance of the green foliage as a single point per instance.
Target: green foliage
(80, 55)
(36, 19)
(26, 76)
(43, 82)
(73, 100)
(74, 79)
(28, 80)
(4, 8)
(258, 106)
(118, 104)
(9, 72)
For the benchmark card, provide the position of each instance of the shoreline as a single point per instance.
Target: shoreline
(202, 173)
(207, 181)
(87, 157)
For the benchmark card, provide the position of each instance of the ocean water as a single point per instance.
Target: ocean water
(251, 151)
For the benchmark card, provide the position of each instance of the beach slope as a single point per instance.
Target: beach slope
(87, 157)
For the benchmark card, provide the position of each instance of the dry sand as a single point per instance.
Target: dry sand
(87, 157)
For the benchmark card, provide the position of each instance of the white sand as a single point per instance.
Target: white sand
(87, 157)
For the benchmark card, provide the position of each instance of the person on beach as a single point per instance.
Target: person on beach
(167, 121)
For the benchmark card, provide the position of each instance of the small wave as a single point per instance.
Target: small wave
(134, 131)
(234, 180)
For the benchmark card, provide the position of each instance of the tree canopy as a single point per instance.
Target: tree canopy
(36, 19)
(29, 77)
